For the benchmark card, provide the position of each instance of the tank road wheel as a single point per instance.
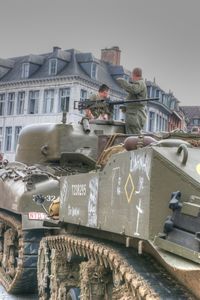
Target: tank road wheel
(18, 256)
(95, 281)
(99, 282)
(73, 294)
(58, 273)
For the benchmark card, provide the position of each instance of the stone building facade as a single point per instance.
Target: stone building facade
(36, 88)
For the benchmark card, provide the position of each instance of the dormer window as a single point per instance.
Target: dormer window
(196, 121)
(53, 66)
(2, 104)
(94, 71)
(158, 94)
(25, 70)
(172, 104)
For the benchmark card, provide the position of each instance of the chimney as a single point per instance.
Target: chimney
(56, 49)
(111, 55)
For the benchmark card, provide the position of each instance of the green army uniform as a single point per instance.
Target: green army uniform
(100, 107)
(135, 112)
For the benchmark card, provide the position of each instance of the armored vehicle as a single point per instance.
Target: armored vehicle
(127, 225)
(101, 205)
(45, 153)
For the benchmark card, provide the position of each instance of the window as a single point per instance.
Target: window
(33, 102)
(172, 105)
(165, 128)
(64, 97)
(53, 66)
(165, 99)
(163, 124)
(17, 131)
(2, 104)
(11, 102)
(151, 121)
(93, 71)
(8, 139)
(157, 123)
(196, 121)
(20, 103)
(1, 139)
(160, 123)
(149, 91)
(116, 112)
(158, 93)
(25, 70)
(83, 96)
(153, 91)
(48, 101)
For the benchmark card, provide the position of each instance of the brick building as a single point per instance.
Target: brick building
(192, 114)
(165, 114)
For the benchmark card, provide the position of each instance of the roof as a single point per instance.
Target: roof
(191, 111)
(74, 63)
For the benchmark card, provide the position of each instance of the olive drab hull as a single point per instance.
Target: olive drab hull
(88, 211)
(132, 192)
(21, 222)
(28, 187)
(20, 184)
(133, 197)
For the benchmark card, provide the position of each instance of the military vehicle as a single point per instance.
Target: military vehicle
(95, 201)
(126, 225)
(45, 153)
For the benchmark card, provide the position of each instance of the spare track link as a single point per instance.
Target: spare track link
(18, 255)
(142, 275)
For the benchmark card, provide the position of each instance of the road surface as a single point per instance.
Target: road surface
(6, 296)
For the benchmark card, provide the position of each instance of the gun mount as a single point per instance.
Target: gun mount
(110, 103)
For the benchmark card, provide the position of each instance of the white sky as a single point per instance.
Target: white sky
(161, 36)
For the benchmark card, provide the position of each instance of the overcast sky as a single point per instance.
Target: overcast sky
(161, 36)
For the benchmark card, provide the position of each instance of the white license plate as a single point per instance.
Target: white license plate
(37, 216)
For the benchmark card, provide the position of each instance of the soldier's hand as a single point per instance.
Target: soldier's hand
(89, 114)
(123, 108)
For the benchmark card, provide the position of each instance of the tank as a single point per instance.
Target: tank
(128, 228)
(45, 153)
(95, 214)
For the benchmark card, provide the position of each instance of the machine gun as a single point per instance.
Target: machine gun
(98, 103)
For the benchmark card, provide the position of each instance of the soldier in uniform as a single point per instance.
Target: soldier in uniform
(100, 110)
(135, 112)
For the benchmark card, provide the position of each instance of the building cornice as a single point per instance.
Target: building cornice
(52, 80)
(161, 105)
(34, 81)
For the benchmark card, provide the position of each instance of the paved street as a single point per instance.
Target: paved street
(6, 296)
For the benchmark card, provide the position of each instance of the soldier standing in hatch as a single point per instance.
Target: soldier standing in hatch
(135, 112)
(100, 110)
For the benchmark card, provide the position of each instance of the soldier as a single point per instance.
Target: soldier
(100, 109)
(135, 112)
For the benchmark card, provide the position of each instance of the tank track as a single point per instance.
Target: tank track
(133, 276)
(18, 255)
